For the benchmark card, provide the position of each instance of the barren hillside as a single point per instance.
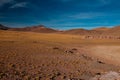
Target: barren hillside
(97, 33)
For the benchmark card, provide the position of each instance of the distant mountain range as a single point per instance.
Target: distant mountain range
(42, 29)
(39, 28)
(2, 27)
(96, 31)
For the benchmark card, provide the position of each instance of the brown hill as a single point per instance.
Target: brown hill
(109, 31)
(114, 30)
(101, 29)
(40, 28)
(82, 32)
(96, 31)
(2, 27)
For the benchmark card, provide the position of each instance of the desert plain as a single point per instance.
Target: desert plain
(56, 56)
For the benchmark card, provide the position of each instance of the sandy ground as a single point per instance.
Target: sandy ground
(111, 54)
(37, 56)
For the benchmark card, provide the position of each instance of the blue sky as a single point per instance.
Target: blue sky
(60, 14)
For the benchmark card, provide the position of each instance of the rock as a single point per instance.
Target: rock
(100, 62)
(74, 49)
(55, 48)
(98, 73)
(69, 51)
(86, 57)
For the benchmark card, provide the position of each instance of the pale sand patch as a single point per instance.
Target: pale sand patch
(111, 54)
(107, 76)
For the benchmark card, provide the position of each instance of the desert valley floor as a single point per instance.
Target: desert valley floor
(54, 56)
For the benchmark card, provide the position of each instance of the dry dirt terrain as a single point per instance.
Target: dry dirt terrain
(53, 56)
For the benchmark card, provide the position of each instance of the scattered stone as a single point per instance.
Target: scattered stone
(64, 77)
(55, 48)
(37, 78)
(86, 57)
(74, 49)
(75, 79)
(100, 62)
(98, 73)
(69, 51)
(11, 65)
(2, 75)
(108, 76)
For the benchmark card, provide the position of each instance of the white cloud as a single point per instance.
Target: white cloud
(3, 2)
(94, 3)
(88, 15)
(92, 15)
(14, 3)
(21, 4)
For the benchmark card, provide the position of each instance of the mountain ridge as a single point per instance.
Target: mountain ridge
(43, 29)
(39, 28)
(2, 27)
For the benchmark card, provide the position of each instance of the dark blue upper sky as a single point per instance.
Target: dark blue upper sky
(60, 14)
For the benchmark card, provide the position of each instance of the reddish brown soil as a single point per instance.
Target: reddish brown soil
(36, 56)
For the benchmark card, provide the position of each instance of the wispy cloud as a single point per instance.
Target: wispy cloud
(93, 15)
(3, 2)
(94, 3)
(21, 4)
(87, 15)
(14, 3)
